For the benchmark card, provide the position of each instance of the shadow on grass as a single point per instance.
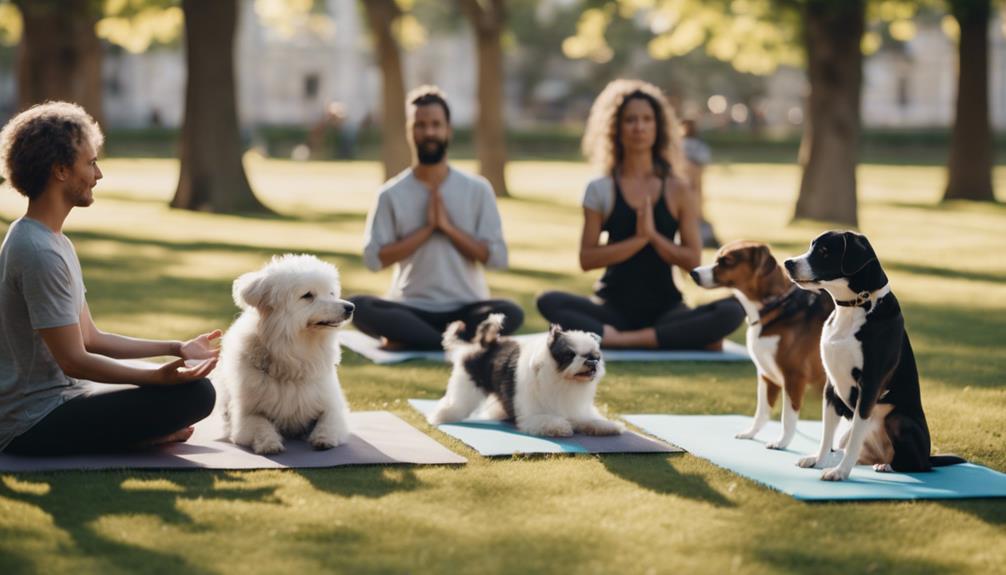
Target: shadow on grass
(990, 511)
(76, 500)
(823, 561)
(658, 474)
(371, 481)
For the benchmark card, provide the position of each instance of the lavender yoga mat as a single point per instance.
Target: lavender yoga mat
(501, 438)
(378, 437)
(370, 348)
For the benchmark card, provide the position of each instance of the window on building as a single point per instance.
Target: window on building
(904, 92)
(311, 84)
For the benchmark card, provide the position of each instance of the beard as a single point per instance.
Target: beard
(431, 151)
(82, 196)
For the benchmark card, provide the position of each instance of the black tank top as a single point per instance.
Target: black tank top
(642, 286)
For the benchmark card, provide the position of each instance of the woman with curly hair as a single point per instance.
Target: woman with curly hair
(643, 203)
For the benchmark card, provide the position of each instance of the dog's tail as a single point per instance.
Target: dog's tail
(945, 460)
(452, 335)
(489, 330)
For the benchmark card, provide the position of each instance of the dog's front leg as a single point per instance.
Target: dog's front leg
(789, 419)
(831, 419)
(253, 430)
(860, 426)
(762, 412)
(591, 422)
(545, 424)
(332, 427)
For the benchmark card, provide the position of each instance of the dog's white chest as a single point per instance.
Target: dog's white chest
(763, 351)
(841, 352)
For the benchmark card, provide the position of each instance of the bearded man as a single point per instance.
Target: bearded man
(440, 227)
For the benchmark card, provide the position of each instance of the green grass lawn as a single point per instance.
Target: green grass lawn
(155, 272)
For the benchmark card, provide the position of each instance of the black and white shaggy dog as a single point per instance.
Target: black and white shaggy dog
(547, 385)
(871, 374)
(277, 375)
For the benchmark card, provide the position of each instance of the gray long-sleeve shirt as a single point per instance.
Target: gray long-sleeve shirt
(436, 277)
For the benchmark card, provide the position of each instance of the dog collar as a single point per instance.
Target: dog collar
(772, 305)
(864, 298)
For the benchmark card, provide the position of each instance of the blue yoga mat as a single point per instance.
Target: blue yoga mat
(500, 438)
(712, 437)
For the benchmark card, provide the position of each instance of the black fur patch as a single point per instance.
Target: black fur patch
(836, 402)
(561, 352)
(494, 370)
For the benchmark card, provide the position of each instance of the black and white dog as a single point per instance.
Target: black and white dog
(546, 384)
(871, 374)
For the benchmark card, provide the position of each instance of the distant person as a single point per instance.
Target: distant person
(439, 226)
(643, 203)
(50, 349)
(698, 155)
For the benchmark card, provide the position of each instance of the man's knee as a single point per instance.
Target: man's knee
(514, 315)
(364, 306)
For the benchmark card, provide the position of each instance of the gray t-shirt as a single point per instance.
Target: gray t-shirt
(436, 277)
(41, 286)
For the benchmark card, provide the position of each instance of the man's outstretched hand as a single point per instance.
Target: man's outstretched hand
(201, 347)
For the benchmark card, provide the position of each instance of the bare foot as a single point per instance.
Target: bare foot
(388, 345)
(715, 346)
(179, 436)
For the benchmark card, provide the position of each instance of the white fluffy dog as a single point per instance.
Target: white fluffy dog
(546, 385)
(277, 373)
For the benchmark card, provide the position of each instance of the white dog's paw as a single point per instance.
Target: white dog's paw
(749, 434)
(778, 444)
(835, 474)
(265, 443)
(328, 438)
(883, 468)
(807, 462)
(552, 427)
(600, 427)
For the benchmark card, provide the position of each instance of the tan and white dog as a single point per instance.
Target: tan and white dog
(277, 373)
(784, 330)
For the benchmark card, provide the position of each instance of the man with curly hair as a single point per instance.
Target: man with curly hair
(439, 226)
(51, 353)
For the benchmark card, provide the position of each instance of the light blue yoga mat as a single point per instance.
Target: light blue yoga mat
(370, 348)
(499, 438)
(712, 437)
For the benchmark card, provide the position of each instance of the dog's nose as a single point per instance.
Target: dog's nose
(348, 308)
(590, 362)
(695, 275)
(790, 265)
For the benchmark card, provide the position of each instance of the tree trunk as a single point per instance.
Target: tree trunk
(212, 176)
(60, 55)
(969, 171)
(833, 32)
(488, 20)
(381, 15)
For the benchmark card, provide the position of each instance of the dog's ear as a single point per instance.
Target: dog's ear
(554, 331)
(251, 291)
(766, 261)
(857, 255)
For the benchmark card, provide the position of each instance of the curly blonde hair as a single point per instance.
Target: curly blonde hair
(601, 143)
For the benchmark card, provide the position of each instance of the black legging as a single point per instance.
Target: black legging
(419, 329)
(678, 328)
(116, 418)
